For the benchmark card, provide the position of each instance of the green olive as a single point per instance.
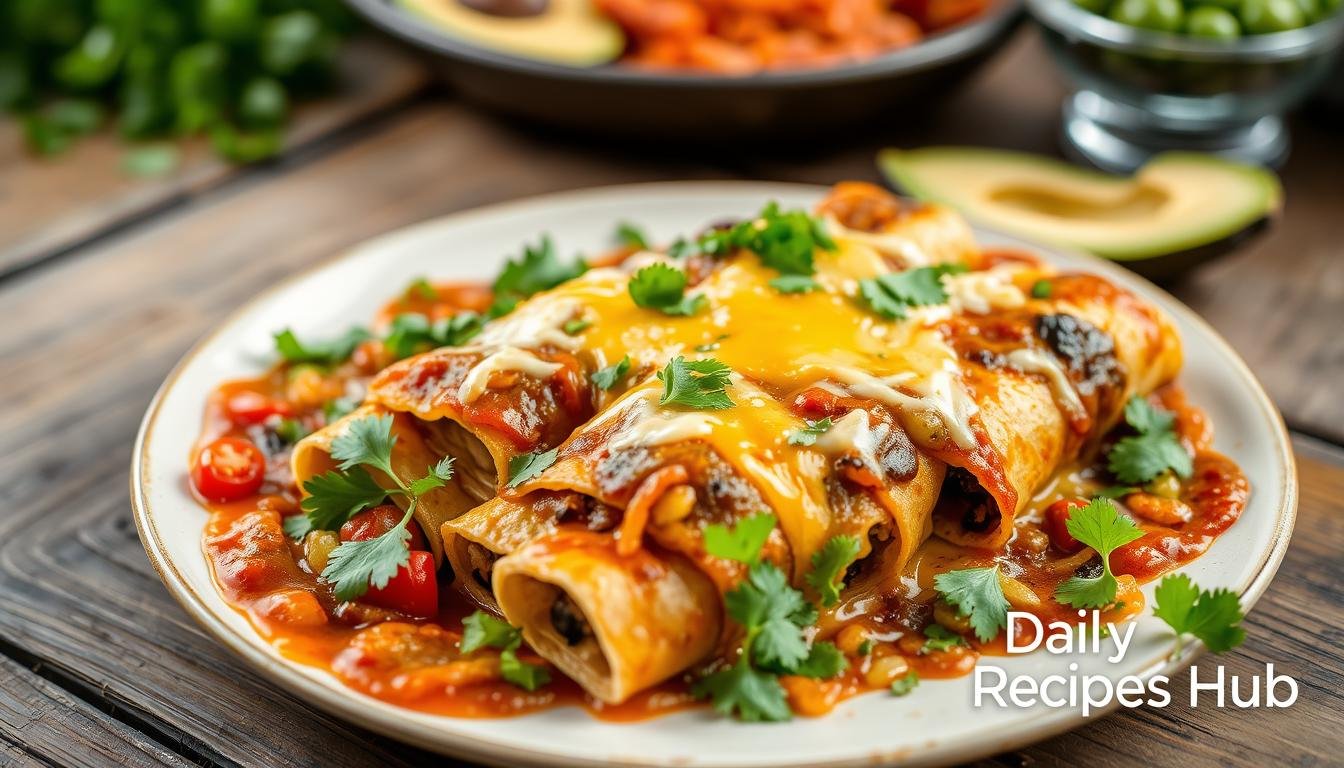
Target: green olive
(1262, 17)
(1213, 23)
(1095, 6)
(1161, 15)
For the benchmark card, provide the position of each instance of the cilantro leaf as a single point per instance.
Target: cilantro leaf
(335, 497)
(367, 441)
(785, 240)
(1155, 449)
(1212, 616)
(437, 476)
(296, 526)
(574, 327)
(794, 284)
(663, 288)
(976, 594)
(889, 295)
(939, 638)
(422, 288)
(529, 677)
(528, 465)
(906, 684)
(539, 269)
(1100, 526)
(482, 630)
(743, 542)
(808, 435)
(823, 660)
(828, 566)
(413, 332)
(456, 330)
(354, 566)
(606, 378)
(631, 236)
(752, 695)
(1115, 491)
(329, 352)
(698, 384)
(766, 605)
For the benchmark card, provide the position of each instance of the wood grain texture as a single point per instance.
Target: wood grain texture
(93, 334)
(42, 724)
(48, 205)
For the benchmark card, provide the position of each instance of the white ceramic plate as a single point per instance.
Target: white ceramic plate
(936, 724)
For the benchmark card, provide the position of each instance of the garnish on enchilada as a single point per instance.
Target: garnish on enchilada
(769, 466)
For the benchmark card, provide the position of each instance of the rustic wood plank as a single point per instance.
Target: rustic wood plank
(49, 205)
(42, 724)
(75, 588)
(1276, 300)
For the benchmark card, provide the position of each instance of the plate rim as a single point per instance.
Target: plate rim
(344, 703)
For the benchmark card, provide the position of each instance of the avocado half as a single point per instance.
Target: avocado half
(1181, 208)
(568, 32)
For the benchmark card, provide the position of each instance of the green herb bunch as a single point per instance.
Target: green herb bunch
(228, 69)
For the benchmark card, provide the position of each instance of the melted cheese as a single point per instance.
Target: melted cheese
(983, 292)
(895, 244)
(939, 406)
(852, 434)
(1033, 361)
(477, 379)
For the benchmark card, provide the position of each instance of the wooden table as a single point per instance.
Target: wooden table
(106, 282)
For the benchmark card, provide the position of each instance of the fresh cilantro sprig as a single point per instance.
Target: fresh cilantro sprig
(327, 352)
(631, 235)
(772, 614)
(1155, 449)
(663, 288)
(481, 630)
(794, 284)
(938, 638)
(698, 384)
(540, 268)
(808, 435)
(526, 466)
(1100, 526)
(785, 241)
(606, 378)
(334, 497)
(978, 596)
(828, 566)
(891, 294)
(412, 332)
(1213, 616)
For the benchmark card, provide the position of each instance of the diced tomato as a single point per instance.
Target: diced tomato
(247, 408)
(373, 523)
(228, 469)
(815, 400)
(414, 591)
(1056, 524)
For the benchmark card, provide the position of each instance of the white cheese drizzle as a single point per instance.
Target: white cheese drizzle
(1033, 361)
(983, 292)
(505, 359)
(939, 396)
(853, 433)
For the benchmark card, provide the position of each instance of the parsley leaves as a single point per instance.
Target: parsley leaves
(698, 384)
(773, 615)
(663, 288)
(977, 595)
(1100, 526)
(1212, 616)
(539, 269)
(528, 465)
(481, 630)
(808, 435)
(828, 566)
(889, 295)
(606, 378)
(332, 498)
(1155, 449)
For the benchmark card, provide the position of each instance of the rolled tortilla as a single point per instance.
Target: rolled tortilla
(412, 458)
(475, 541)
(615, 623)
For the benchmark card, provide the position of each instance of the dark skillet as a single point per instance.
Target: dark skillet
(617, 100)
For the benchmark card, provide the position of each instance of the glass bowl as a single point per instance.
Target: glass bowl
(1139, 92)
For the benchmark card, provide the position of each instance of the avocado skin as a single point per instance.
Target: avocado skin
(903, 170)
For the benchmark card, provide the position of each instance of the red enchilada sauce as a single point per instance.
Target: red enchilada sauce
(380, 647)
